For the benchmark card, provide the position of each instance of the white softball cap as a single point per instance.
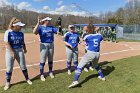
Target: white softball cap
(46, 19)
(19, 24)
(71, 26)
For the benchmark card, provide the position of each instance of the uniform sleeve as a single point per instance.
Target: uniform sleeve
(6, 36)
(55, 30)
(66, 37)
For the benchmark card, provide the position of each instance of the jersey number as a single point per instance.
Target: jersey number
(73, 41)
(95, 41)
(16, 41)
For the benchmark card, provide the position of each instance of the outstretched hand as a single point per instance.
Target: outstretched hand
(39, 19)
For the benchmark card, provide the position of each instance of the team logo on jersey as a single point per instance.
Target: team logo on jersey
(46, 31)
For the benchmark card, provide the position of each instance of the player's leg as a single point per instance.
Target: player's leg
(115, 37)
(50, 59)
(86, 66)
(43, 56)
(69, 59)
(21, 60)
(97, 67)
(75, 58)
(85, 59)
(111, 37)
(90, 66)
(9, 68)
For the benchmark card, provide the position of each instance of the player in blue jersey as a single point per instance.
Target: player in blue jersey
(46, 32)
(90, 64)
(71, 40)
(15, 49)
(92, 42)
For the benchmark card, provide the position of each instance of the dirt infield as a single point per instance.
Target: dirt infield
(109, 52)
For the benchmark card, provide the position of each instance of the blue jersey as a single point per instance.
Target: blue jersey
(93, 42)
(14, 38)
(47, 33)
(72, 38)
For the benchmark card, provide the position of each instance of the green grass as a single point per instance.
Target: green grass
(2, 31)
(122, 76)
(127, 40)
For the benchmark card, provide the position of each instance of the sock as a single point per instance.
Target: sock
(42, 68)
(50, 64)
(77, 74)
(90, 64)
(99, 71)
(25, 72)
(75, 65)
(68, 65)
(8, 76)
(86, 66)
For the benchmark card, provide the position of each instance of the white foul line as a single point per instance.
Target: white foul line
(29, 42)
(57, 61)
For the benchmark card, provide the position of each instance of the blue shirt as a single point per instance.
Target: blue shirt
(47, 33)
(93, 42)
(14, 38)
(72, 38)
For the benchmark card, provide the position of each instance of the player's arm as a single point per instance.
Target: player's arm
(84, 41)
(56, 30)
(35, 30)
(67, 44)
(7, 44)
(79, 41)
(65, 39)
(9, 47)
(24, 47)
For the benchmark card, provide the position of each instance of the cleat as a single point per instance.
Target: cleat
(69, 72)
(51, 75)
(74, 83)
(101, 78)
(42, 78)
(7, 86)
(85, 69)
(29, 82)
(91, 68)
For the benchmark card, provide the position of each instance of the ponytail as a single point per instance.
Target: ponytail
(13, 20)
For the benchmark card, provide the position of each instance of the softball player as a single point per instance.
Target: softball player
(46, 32)
(90, 64)
(71, 40)
(113, 35)
(93, 53)
(15, 49)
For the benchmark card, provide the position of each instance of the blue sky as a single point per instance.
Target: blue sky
(87, 7)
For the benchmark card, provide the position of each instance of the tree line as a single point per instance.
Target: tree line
(129, 14)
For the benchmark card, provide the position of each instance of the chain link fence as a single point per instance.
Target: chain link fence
(131, 32)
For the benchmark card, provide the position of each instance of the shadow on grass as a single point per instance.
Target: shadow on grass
(105, 69)
(55, 72)
(46, 74)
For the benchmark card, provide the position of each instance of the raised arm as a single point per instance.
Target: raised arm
(35, 30)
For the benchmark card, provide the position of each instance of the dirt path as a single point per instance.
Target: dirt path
(109, 52)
